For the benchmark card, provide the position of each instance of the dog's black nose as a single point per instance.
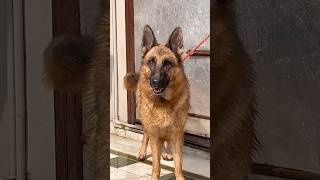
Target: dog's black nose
(155, 81)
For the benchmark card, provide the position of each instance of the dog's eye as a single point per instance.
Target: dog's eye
(151, 62)
(167, 63)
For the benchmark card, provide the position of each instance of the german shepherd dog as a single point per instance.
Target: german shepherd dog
(234, 105)
(162, 97)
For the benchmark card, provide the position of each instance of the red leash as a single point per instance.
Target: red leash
(184, 57)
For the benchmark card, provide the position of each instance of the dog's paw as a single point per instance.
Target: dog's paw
(167, 157)
(141, 157)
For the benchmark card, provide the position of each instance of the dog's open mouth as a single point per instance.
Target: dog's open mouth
(157, 91)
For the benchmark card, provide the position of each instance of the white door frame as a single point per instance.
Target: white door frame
(118, 96)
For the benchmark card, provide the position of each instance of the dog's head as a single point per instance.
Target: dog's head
(161, 63)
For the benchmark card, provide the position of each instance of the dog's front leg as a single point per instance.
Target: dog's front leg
(155, 148)
(177, 144)
(143, 149)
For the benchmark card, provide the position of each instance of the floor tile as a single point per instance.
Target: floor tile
(123, 167)
(118, 174)
(112, 169)
(119, 162)
(168, 177)
(143, 178)
(113, 156)
(191, 163)
(142, 169)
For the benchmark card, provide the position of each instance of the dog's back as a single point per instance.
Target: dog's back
(234, 105)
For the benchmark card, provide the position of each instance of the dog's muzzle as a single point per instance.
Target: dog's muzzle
(158, 84)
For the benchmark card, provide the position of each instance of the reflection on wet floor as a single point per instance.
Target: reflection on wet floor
(123, 166)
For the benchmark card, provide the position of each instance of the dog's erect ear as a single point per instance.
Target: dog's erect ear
(148, 39)
(175, 42)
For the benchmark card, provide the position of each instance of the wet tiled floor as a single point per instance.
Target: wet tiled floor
(124, 166)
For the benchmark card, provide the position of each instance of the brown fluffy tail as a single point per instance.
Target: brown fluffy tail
(66, 62)
(131, 81)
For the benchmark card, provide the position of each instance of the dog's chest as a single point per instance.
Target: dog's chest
(160, 116)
